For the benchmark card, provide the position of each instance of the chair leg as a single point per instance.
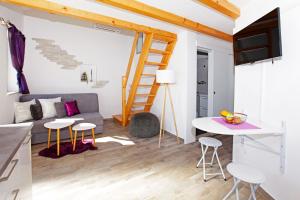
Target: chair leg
(201, 156)
(216, 149)
(236, 183)
(213, 156)
(253, 188)
(203, 163)
(203, 153)
(75, 140)
(237, 195)
(49, 137)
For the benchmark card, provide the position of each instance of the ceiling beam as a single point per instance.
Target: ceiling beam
(59, 9)
(223, 6)
(150, 11)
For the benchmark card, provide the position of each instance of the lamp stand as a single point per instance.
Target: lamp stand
(162, 121)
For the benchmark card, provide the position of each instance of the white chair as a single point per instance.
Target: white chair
(205, 143)
(247, 174)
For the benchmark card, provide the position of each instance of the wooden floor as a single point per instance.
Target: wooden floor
(129, 168)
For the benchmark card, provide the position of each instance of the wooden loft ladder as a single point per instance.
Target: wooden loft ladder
(133, 103)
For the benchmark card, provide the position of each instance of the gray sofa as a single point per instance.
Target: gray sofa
(88, 106)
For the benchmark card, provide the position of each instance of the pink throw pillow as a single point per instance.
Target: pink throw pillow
(71, 108)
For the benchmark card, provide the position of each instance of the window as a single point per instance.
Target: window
(12, 82)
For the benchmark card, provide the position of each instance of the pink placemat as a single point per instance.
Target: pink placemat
(242, 126)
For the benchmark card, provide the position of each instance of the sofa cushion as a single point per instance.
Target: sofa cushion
(72, 108)
(36, 111)
(48, 107)
(22, 111)
(60, 109)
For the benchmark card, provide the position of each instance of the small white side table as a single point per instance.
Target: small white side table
(83, 127)
(59, 124)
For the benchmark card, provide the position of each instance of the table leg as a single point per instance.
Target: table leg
(74, 142)
(71, 134)
(49, 137)
(93, 134)
(82, 136)
(58, 141)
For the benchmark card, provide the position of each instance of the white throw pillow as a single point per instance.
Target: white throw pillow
(48, 107)
(22, 111)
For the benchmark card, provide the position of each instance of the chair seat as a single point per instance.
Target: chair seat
(211, 142)
(246, 173)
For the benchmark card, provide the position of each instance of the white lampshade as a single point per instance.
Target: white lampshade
(165, 76)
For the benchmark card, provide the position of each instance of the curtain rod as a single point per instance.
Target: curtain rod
(5, 23)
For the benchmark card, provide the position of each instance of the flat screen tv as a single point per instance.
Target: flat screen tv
(260, 40)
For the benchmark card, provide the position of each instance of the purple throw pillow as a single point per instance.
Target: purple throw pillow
(71, 108)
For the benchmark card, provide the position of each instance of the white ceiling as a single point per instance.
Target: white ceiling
(195, 11)
(190, 9)
(240, 3)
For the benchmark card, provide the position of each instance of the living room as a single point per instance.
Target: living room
(98, 52)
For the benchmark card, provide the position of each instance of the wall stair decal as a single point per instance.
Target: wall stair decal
(54, 53)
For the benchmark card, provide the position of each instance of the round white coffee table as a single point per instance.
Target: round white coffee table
(59, 124)
(83, 127)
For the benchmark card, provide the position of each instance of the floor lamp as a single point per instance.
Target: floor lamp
(164, 78)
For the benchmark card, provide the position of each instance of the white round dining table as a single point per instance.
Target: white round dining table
(209, 125)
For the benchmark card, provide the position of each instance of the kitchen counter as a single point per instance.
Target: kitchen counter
(11, 138)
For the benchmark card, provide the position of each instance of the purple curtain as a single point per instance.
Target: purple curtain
(17, 51)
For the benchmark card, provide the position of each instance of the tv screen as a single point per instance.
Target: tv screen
(259, 41)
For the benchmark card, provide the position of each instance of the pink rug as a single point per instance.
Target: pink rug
(66, 148)
(242, 126)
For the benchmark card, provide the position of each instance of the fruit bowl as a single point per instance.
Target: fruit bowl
(236, 118)
(233, 118)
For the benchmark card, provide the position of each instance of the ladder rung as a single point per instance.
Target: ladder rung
(144, 95)
(144, 85)
(149, 75)
(160, 39)
(136, 111)
(155, 63)
(156, 51)
(138, 104)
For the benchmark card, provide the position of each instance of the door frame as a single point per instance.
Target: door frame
(210, 80)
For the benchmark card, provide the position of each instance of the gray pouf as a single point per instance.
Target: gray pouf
(144, 125)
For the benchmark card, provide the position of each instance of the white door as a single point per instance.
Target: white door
(223, 84)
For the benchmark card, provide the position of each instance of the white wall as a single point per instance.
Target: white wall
(6, 101)
(270, 92)
(183, 61)
(106, 50)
